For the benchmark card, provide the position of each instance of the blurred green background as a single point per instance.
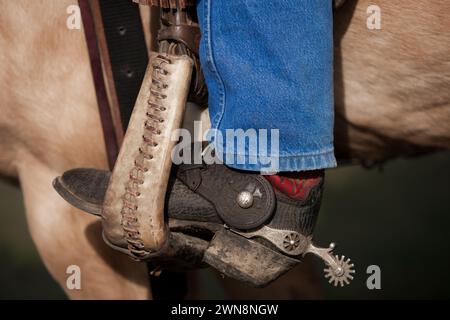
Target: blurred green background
(397, 218)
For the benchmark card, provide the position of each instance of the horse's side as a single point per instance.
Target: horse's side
(48, 124)
(392, 86)
(392, 99)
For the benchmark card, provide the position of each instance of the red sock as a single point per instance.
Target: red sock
(296, 185)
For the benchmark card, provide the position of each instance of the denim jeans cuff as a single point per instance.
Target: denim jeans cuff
(270, 164)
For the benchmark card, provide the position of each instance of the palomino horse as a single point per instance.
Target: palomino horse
(392, 99)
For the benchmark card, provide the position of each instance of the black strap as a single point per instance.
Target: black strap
(127, 51)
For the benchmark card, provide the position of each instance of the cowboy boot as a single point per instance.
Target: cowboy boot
(228, 219)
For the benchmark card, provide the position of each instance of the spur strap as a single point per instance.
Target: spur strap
(242, 200)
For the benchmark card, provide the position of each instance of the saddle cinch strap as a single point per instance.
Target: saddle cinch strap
(133, 210)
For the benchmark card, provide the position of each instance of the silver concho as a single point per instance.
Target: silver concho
(244, 199)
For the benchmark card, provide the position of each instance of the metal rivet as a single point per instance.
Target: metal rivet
(122, 30)
(244, 199)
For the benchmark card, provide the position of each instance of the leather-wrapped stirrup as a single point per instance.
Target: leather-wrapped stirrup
(133, 211)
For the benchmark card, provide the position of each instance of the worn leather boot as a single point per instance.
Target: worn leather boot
(247, 226)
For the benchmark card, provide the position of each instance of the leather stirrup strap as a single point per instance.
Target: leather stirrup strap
(118, 57)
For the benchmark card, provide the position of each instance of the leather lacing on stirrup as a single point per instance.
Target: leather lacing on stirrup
(133, 210)
(130, 221)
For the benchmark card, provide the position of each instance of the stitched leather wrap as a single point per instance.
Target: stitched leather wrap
(133, 211)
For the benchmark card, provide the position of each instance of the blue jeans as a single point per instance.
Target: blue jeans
(268, 66)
